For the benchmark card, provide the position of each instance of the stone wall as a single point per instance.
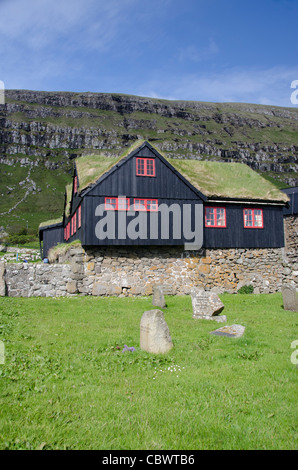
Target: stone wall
(37, 280)
(122, 271)
(291, 240)
(19, 254)
(131, 271)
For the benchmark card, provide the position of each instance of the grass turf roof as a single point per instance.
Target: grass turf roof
(91, 167)
(59, 220)
(68, 190)
(213, 179)
(227, 180)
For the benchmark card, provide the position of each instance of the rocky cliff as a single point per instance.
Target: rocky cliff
(41, 132)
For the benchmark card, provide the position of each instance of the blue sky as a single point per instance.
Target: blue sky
(202, 50)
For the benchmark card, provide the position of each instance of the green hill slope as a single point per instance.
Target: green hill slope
(41, 133)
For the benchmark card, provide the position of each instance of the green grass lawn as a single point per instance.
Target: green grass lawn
(66, 385)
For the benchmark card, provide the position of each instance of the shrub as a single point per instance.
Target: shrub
(246, 289)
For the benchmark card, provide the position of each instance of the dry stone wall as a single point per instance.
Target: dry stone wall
(118, 271)
(291, 239)
(36, 280)
(132, 271)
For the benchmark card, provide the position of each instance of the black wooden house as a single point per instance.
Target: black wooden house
(144, 198)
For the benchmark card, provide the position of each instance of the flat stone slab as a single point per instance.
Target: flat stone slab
(233, 331)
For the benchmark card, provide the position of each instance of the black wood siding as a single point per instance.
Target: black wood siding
(90, 220)
(124, 182)
(51, 237)
(236, 236)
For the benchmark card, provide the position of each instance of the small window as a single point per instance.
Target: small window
(74, 224)
(145, 167)
(79, 216)
(123, 204)
(116, 203)
(111, 203)
(76, 184)
(215, 217)
(253, 218)
(149, 205)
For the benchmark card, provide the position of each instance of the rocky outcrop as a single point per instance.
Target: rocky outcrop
(47, 125)
(42, 132)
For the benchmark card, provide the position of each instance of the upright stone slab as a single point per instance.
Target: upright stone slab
(158, 299)
(2, 280)
(289, 296)
(206, 305)
(154, 333)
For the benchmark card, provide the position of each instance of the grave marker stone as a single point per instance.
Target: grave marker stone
(158, 299)
(154, 333)
(2, 280)
(206, 305)
(233, 331)
(289, 296)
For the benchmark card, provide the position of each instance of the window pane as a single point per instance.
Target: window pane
(140, 204)
(150, 167)
(123, 204)
(140, 166)
(209, 216)
(248, 221)
(152, 205)
(80, 217)
(258, 218)
(111, 203)
(220, 217)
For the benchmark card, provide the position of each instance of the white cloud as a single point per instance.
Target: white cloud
(38, 24)
(264, 86)
(42, 40)
(194, 53)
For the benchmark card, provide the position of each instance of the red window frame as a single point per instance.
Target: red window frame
(67, 231)
(148, 205)
(80, 217)
(117, 203)
(252, 216)
(216, 218)
(75, 184)
(145, 167)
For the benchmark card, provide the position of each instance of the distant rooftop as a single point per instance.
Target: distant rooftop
(292, 193)
(48, 223)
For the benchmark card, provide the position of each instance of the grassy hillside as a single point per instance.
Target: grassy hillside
(41, 132)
